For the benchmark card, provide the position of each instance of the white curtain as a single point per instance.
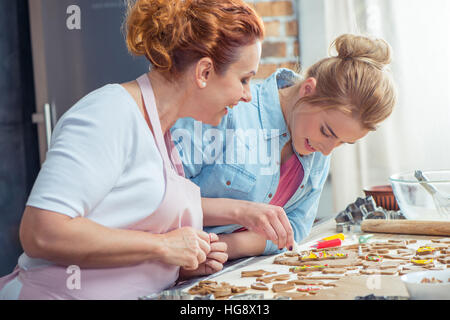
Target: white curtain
(417, 135)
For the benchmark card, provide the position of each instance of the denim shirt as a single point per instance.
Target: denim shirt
(240, 158)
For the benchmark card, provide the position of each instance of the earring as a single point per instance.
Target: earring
(203, 84)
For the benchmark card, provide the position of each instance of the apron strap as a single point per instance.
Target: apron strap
(152, 112)
(174, 155)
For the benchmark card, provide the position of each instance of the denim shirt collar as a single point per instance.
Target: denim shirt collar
(272, 117)
(270, 109)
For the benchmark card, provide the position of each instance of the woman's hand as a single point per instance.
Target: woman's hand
(266, 220)
(185, 247)
(214, 260)
(217, 256)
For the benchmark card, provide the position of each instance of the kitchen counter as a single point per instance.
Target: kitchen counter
(351, 285)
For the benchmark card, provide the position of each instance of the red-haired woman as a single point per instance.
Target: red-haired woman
(111, 215)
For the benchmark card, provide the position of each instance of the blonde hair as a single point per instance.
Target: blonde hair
(357, 81)
(173, 34)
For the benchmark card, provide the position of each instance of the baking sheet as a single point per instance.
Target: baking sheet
(351, 285)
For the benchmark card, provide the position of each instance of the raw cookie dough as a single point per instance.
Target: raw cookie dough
(221, 290)
(307, 268)
(350, 258)
(278, 287)
(327, 277)
(278, 277)
(255, 273)
(334, 271)
(259, 286)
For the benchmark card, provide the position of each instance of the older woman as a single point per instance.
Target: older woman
(111, 200)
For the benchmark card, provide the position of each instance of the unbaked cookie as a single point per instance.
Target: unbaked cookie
(259, 286)
(424, 251)
(255, 273)
(279, 287)
(327, 277)
(422, 262)
(334, 271)
(277, 277)
(307, 268)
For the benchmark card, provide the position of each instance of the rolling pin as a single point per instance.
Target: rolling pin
(428, 228)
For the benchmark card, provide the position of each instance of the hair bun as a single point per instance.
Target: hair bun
(154, 28)
(376, 52)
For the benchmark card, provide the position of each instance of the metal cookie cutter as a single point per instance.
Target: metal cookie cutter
(168, 295)
(248, 296)
(363, 208)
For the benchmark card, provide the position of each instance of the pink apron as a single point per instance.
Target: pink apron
(180, 207)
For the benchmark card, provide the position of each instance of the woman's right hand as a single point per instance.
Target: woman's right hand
(266, 220)
(185, 247)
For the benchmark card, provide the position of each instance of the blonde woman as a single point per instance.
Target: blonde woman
(260, 207)
(111, 205)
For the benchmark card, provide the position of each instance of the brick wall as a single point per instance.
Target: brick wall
(281, 46)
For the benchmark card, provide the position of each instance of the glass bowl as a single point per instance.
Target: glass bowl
(414, 200)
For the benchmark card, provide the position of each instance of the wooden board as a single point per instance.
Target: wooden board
(353, 286)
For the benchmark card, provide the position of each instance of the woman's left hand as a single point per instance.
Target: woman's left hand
(214, 260)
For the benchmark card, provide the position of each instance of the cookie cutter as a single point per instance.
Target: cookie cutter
(282, 298)
(363, 208)
(169, 295)
(374, 297)
(247, 296)
(365, 238)
(343, 227)
(206, 297)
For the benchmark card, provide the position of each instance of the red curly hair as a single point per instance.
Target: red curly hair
(173, 34)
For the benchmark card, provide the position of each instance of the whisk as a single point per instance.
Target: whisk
(441, 201)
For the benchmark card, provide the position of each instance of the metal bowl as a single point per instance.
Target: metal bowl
(414, 200)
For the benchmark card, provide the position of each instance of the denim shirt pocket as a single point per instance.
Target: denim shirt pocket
(233, 180)
(310, 184)
(315, 177)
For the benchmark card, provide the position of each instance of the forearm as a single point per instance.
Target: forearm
(268, 221)
(218, 211)
(99, 247)
(85, 243)
(243, 244)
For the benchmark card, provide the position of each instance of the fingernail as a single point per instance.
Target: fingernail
(290, 248)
